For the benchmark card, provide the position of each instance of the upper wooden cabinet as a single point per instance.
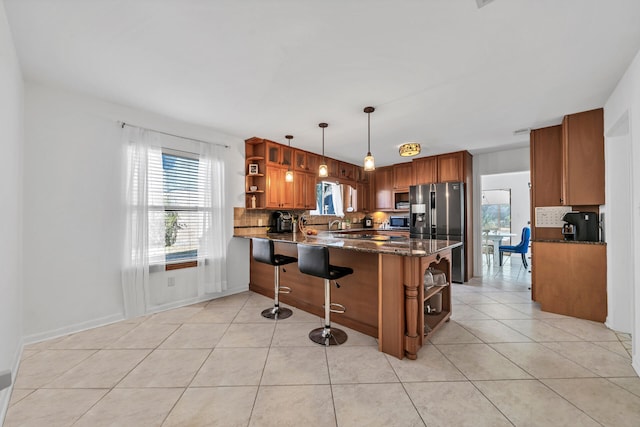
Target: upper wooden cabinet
(334, 167)
(546, 166)
(279, 193)
(451, 167)
(304, 191)
(402, 175)
(305, 161)
(279, 155)
(384, 188)
(583, 158)
(347, 171)
(364, 197)
(362, 175)
(425, 170)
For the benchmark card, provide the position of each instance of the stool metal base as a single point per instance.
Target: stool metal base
(277, 313)
(328, 336)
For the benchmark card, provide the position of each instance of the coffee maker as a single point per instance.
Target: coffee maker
(281, 222)
(580, 226)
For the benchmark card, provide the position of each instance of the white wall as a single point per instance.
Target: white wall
(625, 100)
(498, 162)
(11, 139)
(73, 219)
(518, 183)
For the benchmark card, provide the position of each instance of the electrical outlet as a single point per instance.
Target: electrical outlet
(5, 379)
(259, 222)
(171, 281)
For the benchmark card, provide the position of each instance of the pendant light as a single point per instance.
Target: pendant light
(288, 177)
(323, 170)
(369, 161)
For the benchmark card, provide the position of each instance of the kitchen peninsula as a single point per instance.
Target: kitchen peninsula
(384, 297)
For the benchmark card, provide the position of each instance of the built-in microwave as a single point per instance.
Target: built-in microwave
(399, 221)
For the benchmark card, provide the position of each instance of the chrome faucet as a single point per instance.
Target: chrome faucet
(337, 221)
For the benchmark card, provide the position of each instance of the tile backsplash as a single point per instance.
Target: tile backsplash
(256, 221)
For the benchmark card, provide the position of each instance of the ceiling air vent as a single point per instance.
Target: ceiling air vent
(482, 3)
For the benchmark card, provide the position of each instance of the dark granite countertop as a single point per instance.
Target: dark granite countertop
(376, 243)
(582, 242)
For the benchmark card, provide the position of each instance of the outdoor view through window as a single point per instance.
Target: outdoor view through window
(176, 213)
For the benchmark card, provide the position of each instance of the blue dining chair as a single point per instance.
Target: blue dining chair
(521, 248)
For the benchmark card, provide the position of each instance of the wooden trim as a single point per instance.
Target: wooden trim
(180, 265)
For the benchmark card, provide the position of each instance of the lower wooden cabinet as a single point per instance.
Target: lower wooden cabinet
(571, 279)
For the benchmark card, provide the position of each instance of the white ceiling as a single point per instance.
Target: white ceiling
(440, 72)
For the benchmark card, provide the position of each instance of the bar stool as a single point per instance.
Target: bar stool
(263, 252)
(314, 261)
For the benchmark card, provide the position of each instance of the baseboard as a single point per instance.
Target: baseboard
(72, 329)
(5, 395)
(195, 300)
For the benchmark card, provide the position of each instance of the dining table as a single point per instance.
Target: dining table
(493, 240)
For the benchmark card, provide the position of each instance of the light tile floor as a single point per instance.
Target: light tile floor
(500, 361)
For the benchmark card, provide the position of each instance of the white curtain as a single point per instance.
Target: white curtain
(144, 251)
(338, 198)
(137, 144)
(212, 271)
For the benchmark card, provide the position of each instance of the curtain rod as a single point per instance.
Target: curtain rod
(123, 124)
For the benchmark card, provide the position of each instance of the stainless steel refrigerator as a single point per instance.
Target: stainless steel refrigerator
(436, 211)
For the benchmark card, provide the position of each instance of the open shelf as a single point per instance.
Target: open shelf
(434, 321)
(428, 293)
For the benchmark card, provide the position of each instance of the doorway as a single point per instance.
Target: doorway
(505, 209)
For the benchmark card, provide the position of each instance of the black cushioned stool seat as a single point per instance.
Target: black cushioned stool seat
(314, 261)
(263, 251)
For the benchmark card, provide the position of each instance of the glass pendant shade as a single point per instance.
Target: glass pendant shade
(369, 162)
(288, 176)
(323, 170)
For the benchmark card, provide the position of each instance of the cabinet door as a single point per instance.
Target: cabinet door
(304, 189)
(364, 197)
(583, 158)
(299, 181)
(362, 175)
(334, 167)
(347, 171)
(425, 170)
(286, 158)
(546, 166)
(274, 153)
(274, 187)
(402, 175)
(384, 188)
(310, 192)
(313, 162)
(279, 194)
(450, 167)
(287, 192)
(571, 279)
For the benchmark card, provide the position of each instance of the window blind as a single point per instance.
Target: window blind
(176, 208)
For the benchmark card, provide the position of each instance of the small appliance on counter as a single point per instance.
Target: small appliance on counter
(401, 222)
(367, 222)
(580, 226)
(281, 222)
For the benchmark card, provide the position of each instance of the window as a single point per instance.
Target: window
(328, 199)
(496, 211)
(176, 209)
